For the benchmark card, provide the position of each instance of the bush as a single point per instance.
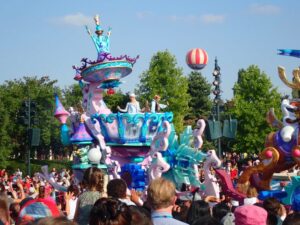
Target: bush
(36, 165)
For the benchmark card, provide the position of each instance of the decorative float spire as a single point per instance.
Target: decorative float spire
(60, 112)
(81, 135)
(106, 70)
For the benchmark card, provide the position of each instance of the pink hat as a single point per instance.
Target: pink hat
(250, 215)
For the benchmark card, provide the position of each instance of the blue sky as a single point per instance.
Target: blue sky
(48, 37)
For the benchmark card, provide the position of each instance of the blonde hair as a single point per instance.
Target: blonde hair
(251, 192)
(161, 193)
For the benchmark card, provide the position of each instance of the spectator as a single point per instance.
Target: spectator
(251, 196)
(71, 198)
(207, 221)
(93, 180)
(221, 212)
(161, 196)
(55, 221)
(292, 219)
(117, 188)
(140, 216)
(109, 211)
(274, 209)
(198, 209)
(14, 210)
(250, 215)
(4, 212)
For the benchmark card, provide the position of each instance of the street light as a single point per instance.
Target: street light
(217, 100)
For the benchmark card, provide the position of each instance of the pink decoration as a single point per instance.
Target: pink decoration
(269, 154)
(60, 113)
(296, 153)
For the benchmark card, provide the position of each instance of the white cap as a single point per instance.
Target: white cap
(132, 95)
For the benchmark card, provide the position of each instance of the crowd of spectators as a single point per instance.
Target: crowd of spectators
(33, 200)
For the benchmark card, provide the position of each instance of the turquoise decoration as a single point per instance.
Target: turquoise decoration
(183, 159)
(292, 189)
(86, 166)
(120, 128)
(64, 135)
(98, 72)
(110, 84)
(82, 153)
(144, 129)
(128, 123)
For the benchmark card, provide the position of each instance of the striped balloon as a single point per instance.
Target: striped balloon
(197, 58)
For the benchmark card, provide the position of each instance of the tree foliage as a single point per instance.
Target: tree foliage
(254, 95)
(166, 79)
(14, 134)
(117, 99)
(199, 89)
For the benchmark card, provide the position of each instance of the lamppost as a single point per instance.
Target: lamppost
(217, 99)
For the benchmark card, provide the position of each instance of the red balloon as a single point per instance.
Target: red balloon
(197, 58)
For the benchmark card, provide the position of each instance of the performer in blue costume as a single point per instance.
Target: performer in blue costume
(102, 42)
(131, 107)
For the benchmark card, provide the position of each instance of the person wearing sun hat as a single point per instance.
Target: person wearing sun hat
(250, 215)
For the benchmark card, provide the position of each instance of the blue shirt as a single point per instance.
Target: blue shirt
(164, 218)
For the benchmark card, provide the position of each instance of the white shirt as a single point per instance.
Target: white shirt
(73, 203)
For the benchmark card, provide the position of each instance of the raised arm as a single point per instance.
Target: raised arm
(88, 30)
(123, 110)
(109, 31)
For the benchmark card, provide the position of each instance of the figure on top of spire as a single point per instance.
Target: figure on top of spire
(102, 42)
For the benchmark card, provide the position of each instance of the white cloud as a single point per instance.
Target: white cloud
(264, 9)
(212, 18)
(143, 15)
(77, 19)
(206, 18)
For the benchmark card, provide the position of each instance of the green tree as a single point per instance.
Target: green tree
(254, 95)
(72, 96)
(199, 89)
(166, 79)
(13, 93)
(117, 99)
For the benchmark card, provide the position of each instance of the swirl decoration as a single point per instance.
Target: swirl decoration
(105, 57)
(158, 166)
(160, 141)
(126, 118)
(197, 133)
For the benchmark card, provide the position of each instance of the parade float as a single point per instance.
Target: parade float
(282, 147)
(135, 146)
